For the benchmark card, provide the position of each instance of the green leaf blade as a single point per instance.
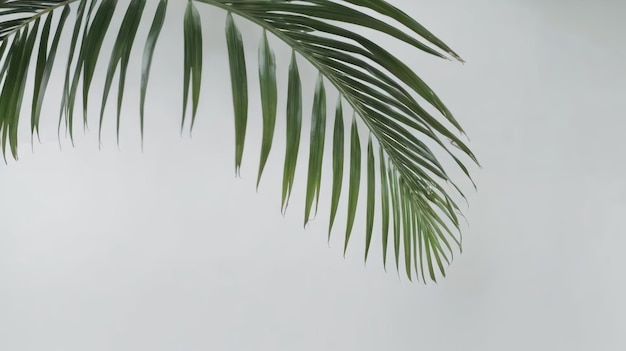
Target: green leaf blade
(269, 100)
(294, 127)
(93, 41)
(396, 211)
(239, 82)
(120, 56)
(192, 73)
(148, 53)
(42, 80)
(338, 161)
(384, 197)
(316, 152)
(355, 180)
(371, 197)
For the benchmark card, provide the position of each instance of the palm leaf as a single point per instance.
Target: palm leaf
(409, 128)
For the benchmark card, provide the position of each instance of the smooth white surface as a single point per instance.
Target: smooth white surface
(167, 250)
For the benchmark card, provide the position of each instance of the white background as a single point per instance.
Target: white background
(166, 250)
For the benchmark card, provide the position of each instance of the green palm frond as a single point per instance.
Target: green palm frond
(410, 129)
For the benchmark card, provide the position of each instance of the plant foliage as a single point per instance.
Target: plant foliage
(409, 127)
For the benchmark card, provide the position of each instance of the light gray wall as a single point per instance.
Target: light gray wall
(167, 250)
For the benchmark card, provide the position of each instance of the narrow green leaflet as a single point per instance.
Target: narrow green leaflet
(148, 52)
(371, 196)
(269, 99)
(121, 54)
(239, 82)
(93, 44)
(355, 180)
(407, 233)
(384, 203)
(15, 93)
(421, 228)
(45, 62)
(417, 238)
(68, 98)
(3, 48)
(294, 129)
(8, 95)
(192, 30)
(316, 152)
(39, 71)
(396, 211)
(429, 260)
(338, 159)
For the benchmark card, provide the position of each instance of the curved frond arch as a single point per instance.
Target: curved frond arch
(409, 127)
